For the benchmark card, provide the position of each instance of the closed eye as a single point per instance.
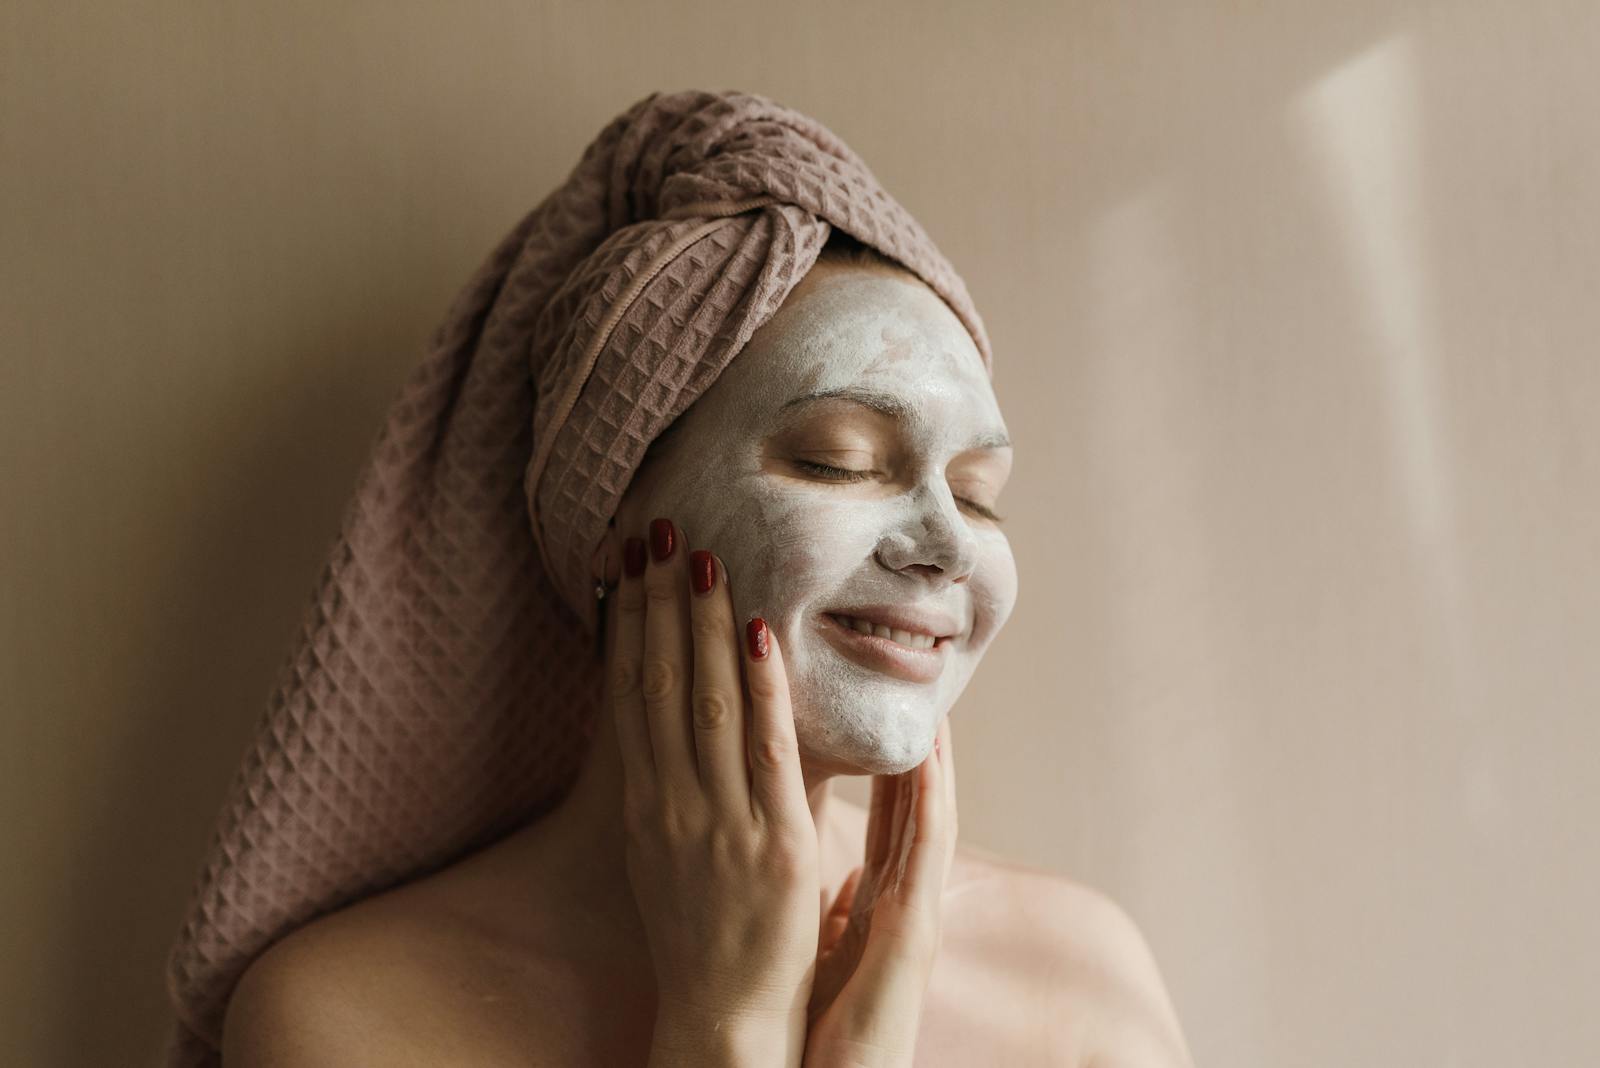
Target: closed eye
(842, 474)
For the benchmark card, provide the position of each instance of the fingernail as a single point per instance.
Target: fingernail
(755, 633)
(662, 537)
(935, 745)
(702, 571)
(633, 556)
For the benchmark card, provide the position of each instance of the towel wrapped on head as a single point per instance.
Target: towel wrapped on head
(443, 685)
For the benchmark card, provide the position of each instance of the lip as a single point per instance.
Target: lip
(882, 654)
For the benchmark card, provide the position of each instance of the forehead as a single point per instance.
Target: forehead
(845, 327)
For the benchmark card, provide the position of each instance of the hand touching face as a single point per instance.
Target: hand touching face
(846, 467)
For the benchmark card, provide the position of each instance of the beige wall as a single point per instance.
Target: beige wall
(1295, 319)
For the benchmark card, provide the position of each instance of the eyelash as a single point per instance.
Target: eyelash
(840, 474)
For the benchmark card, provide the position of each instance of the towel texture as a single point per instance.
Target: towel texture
(442, 687)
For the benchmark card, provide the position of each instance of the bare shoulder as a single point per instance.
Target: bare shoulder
(382, 982)
(1062, 961)
(1098, 962)
(294, 1005)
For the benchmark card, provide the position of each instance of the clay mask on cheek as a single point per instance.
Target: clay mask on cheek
(800, 548)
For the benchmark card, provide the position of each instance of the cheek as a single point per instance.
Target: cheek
(809, 532)
(781, 544)
(994, 588)
(810, 545)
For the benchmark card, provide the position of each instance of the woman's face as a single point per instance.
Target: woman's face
(844, 465)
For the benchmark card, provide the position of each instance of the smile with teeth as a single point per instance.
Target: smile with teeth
(910, 638)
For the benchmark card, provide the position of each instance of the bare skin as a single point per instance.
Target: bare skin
(533, 950)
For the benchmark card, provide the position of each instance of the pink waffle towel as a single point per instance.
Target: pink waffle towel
(442, 686)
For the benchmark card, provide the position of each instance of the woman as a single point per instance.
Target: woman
(825, 570)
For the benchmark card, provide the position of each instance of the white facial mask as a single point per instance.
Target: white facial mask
(798, 546)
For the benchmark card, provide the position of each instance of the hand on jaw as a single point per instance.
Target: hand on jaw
(722, 849)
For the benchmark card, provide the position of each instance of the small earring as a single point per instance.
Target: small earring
(600, 591)
(600, 619)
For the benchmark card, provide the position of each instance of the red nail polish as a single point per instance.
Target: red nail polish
(633, 557)
(755, 633)
(702, 571)
(662, 537)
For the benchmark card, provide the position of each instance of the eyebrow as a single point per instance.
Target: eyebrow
(894, 407)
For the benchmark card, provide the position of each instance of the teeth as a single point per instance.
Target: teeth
(901, 637)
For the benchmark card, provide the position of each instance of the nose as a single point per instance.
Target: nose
(934, 539)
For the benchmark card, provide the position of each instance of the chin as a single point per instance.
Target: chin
(843, 749)
(892, 765)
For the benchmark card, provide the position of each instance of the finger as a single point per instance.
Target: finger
(880, 816)
(883, 837)
(777, 791)
(837, 918)
(846, 894)
(904, 938)
(947, 760)
(717, 697)
(926, 852)
(874, 851)
(668, 660)
(627, 699)
(946, 750)
(880, 820)
(899, 842)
